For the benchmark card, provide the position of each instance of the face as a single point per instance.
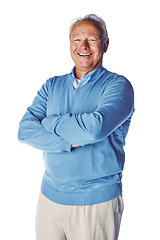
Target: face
(86, 47)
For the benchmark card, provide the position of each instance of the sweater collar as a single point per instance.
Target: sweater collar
(88, 77)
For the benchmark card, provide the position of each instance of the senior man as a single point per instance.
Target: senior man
(80, 121)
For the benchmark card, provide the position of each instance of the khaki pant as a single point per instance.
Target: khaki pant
(95, 222)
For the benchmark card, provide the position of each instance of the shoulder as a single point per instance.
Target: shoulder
(117, 80)
(56, 80)
(51, 83)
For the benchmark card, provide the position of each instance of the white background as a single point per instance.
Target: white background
(34, 46)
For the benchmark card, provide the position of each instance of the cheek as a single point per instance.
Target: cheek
(97, 50)
(98, 54)
(73, 47)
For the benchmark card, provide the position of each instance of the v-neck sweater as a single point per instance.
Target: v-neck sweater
(96, 117)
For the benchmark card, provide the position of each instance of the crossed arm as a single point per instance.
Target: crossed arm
(75, 146)
(62, 133)
(33, 133)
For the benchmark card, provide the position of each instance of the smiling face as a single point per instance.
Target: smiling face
(86, 47)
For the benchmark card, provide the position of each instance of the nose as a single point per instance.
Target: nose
(84, 44)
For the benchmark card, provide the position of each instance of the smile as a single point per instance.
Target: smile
(84, 54)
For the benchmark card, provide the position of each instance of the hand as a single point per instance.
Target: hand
(75, 146)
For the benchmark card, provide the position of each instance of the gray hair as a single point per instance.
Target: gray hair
(96, 20)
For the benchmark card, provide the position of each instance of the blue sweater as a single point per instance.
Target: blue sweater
(61, 115)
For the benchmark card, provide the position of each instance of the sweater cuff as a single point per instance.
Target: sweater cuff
(49, 124)
(66, 146)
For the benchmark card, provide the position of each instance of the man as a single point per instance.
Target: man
(80, 121)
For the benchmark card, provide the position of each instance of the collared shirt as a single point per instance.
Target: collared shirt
(84, 79)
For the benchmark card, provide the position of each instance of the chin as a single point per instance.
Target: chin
(86, 65)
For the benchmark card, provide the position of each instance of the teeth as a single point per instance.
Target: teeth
(83, 54)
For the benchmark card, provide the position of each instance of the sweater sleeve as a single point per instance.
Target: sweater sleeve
(115, 106)
(32, 132)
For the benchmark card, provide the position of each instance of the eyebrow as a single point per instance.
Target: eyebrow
(77, 35)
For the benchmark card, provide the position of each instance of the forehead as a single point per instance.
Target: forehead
(85, 27)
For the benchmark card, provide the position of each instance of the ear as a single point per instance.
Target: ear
(106, 44)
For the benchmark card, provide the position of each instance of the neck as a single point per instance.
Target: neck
(78, 73)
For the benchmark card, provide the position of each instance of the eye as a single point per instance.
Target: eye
(93, 40)
(76, 40)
